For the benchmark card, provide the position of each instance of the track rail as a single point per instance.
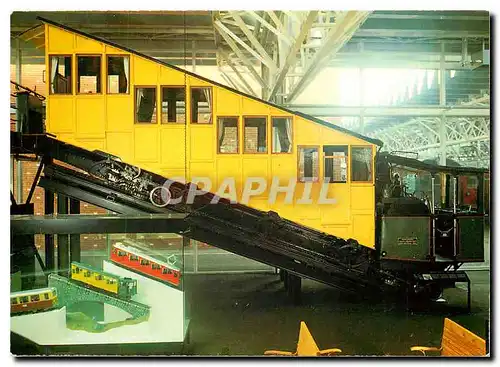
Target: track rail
(105, 181)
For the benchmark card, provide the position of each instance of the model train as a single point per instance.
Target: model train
(137, 260)
(122, 287)
(34, 300)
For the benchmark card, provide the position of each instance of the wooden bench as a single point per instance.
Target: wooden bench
(306, 346)
(456, 341)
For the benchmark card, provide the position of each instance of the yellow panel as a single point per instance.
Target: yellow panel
(120, 144)
(364, 229)
(146, 72)
(173, 153)
(119, 112)
(279, 112)
(113, 50)
(146, 144)
(229, 167)
(197, 82)
(60, 116)
(60, 41)
(91, 144)
(252, 107)
(203, 169)
(171, 77)
(87, 45)
(362, 197)
(202, 142)
(228, 103)
(284, 167)
(309, 133)
(90, 116)
(256, 166)
(338, 213)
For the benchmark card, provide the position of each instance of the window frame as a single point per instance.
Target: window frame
(271, 135)
(73, 87)
(372, 164)
(325, 157)
(298, 162)
(238, 150)
(185, 105)
(77, 79)
(244, 133)
(129, 76)
(135, 105)
(191, 105)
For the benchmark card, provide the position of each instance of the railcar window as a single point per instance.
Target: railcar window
(73, 270)
(145, 105)
(121, 253)
(201, 105)
(155, 266)
(60, 75)
(173, 105)
(98, 277)
(144, 262)
(255, 135)
(23, 299)
(227, 131)
(86, 274)
(46, 295)
(89, 74)
(308, 164)
(118, 74)
(35, 298)
(335, 163)
(134, 258)
(282, 134)
(13, 301)
(361, 164)
(164, 271)
(176, 274)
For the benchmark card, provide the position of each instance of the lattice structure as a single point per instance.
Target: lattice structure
(68, 292)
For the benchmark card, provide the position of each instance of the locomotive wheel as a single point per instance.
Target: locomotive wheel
(160, 196)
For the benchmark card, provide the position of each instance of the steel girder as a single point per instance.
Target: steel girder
(465, 139)
(291, 47)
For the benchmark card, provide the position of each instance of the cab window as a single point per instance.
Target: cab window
(89, 74)
(227, 130)
(308, 164)
(255, 134)
(282, 134)
(335, 163)
(361, 164)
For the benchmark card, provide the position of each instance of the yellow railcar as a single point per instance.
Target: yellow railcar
(175, 123)
(119, 286)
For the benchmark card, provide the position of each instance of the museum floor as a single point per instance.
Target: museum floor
(246, 314)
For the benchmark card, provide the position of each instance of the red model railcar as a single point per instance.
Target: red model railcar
(33, 300)
(135, 259)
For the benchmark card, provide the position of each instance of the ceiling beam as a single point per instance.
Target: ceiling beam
(292, 53)
(340, 34)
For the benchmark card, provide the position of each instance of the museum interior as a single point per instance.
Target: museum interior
(250, 183)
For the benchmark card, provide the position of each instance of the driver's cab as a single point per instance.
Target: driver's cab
(428, 212)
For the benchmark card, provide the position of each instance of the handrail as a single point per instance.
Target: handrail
(38, 95)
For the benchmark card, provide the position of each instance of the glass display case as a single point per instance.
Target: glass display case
(117, 285)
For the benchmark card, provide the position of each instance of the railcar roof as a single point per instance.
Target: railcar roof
(297, 113)
(32, 292)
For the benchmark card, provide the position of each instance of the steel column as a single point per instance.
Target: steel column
(62, 239)
(49, 238)
(74, 239)
(19, 170)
